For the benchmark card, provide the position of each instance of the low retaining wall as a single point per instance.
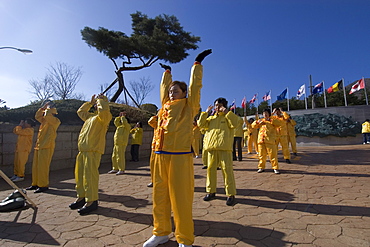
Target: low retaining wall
(65, 147)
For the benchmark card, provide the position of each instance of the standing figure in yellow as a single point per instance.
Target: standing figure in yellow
(238, 138)
(44, 148)
(137, 141)
(173, 175)
(120, 143)
(196, 139)
(366, 131)
(24, 145)
(282, 132)
(252, 135)
(218, 143)
(292, 135)
(91, 145)
(267, 140)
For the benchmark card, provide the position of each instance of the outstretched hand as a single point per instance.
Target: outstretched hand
(166, 67)
(202, 55)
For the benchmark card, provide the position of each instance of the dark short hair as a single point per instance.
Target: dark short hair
(181, 84)
(30, 121)
(140, 124)
(267, 110)
(222, 101)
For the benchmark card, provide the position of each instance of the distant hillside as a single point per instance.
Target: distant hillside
(67, 112)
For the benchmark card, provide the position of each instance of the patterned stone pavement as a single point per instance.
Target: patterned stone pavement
(321, 199)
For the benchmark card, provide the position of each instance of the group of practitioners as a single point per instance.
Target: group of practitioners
(176, 141)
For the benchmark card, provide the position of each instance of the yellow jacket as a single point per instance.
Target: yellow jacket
(219, 130)
(291, 127)
(137, 136)
(24, 141)
(267, 130)
(122, 132)
(48, 128)
(366, 127)
(282, 130)
(93, 131)
(238, 131)
(175, 119)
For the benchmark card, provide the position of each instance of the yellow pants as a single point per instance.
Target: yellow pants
(87, 175)
(195, 145)
(283, 140)
(225, 160)
(173, 189)
(118, 157)
(20, 160)
(151, 165)
(41, 166)
(265, 149)
(293, 143)
(205, 157)
(252, 141)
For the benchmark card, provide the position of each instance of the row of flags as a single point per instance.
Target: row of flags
(318, 88)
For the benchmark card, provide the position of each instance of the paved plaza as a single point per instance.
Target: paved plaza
(321, 199)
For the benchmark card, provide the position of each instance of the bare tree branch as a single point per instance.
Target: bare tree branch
(141, 89)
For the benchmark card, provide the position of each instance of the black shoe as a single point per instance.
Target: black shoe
(288, 161)
(240, 159)
(15, 194)
(204, 167)
(150, 185)
(218, 168)
(12, 204)
(295, 154)
(78, 204)
(32, 187)
(88, 209)
(209, 196)
(41, 189)
(230, 201)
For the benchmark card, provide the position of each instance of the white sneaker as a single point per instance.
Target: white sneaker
(112, 171)
(15, 176)
(18, 179)
(154, 240)
(197, 157)
(120, 173)
(276, 171)
(184, 245)
(260, 170)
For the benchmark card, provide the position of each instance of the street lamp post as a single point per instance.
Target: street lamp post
(24, 51)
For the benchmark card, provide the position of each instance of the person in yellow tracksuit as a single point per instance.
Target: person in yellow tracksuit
(245, 135)
(91, 146)
(267, 140)
(196, 139)
(120, 143)
(136, 141)
(282, 132)
(218, 143)
(173, 171)
(366, 131)
(44, 147)
(292, 135)
(252, 135)
(153, 122)
(25, 132)
(238, 137)
(204, 152)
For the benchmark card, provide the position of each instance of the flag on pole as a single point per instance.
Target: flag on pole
(318, 88)
(253, 99)
(335, 87)
(233, 106)
(266, 97)
(301, 91)
(244, 101)
(282, 96)
(360, 84)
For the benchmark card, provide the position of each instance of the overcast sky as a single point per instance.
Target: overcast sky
(257, 45)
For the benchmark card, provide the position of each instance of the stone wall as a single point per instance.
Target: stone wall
(65, 147)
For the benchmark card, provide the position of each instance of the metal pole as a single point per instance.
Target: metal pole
(323, 85)
(344, 93)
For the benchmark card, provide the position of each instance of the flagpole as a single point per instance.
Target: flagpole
(305, 98)
(323, 85)
(367, 102)
(287, 92)
(257, 101)
(344, 92)
(270, 102)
